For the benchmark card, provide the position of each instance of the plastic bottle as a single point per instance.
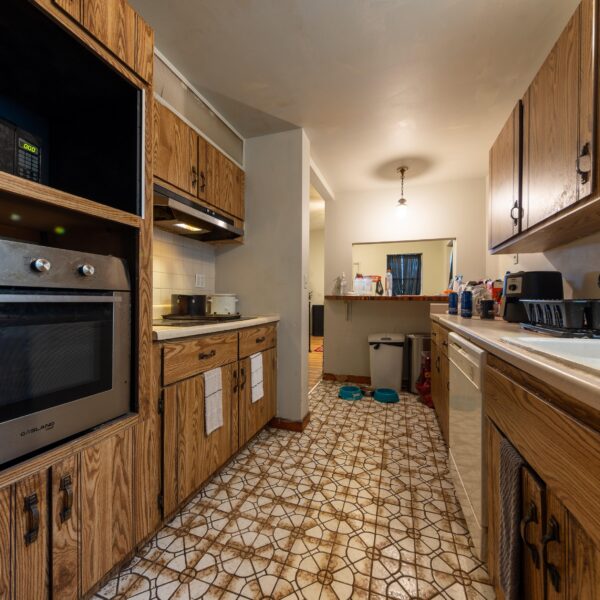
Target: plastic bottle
(389, 283)
(343, 285)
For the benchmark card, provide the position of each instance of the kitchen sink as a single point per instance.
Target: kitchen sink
(582, 353)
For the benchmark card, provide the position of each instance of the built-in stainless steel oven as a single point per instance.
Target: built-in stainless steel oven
(65, 344)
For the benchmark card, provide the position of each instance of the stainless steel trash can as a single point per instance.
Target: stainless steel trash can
(386, 351)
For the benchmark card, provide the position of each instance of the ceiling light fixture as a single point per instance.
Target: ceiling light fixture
(401, 206)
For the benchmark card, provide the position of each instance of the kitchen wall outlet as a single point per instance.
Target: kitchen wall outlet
(515, 259)
(200, 280)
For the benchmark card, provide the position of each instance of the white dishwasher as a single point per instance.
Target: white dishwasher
(467, 362)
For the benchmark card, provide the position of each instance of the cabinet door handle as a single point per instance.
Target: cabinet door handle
(445, 344)
(202, 181)
(66, 486)
(584, 163)
(530, 517)
(243, 383)
(551, 536)
(515, 216)
(261, 339)
(194, 176)
(33, 510)
(206, 355)
(235, 382)
(437, 364)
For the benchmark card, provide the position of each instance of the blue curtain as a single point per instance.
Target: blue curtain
(406, 273)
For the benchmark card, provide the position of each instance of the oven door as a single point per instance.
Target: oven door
(65, 363)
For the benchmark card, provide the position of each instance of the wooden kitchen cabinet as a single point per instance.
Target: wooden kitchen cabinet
(505, 180)
(175, 150)
(71, 7)
(224, 183)
(6, 502)
(106, 506)
(558, 122)
(255, 415)
(440, 378)
(65, 526)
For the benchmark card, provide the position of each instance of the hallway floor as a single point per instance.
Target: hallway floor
(315, 362)
(359, 505)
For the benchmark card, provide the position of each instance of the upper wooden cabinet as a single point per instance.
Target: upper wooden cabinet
(187, 161)
(558, 118)
(559, 192)
(505, 180)
(175, 150)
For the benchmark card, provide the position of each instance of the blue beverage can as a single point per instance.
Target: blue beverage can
(452, 303)
(466, 304)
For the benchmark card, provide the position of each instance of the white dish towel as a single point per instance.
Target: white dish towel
(213, 400)
(256, 376)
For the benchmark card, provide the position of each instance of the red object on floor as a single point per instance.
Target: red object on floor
(318, 349)
(423, 384)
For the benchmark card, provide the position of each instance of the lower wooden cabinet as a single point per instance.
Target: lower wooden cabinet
(6, 511)
(440, 380)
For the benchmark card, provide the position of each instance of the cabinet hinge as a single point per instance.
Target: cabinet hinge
(161, 502)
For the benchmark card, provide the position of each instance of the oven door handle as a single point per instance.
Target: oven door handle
(41, 298)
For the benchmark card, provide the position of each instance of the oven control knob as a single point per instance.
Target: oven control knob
(41, 265)
(86, 270)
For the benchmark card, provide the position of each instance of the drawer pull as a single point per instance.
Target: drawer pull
(551, 536)
(206, 355)
(235, 382)
(243, 383)
(66, 486)
(261, 339)
(32, 507)
(530, 517)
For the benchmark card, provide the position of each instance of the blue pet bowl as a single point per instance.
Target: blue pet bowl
(350, 392)
(386, 396)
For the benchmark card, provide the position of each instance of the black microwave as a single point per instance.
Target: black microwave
(21, 152)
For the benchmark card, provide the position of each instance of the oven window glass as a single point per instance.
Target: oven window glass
(53, 353)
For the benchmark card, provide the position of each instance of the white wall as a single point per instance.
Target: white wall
(270, 270)
(371, 259)
(316, 272)
(454, 209)
(176, 260)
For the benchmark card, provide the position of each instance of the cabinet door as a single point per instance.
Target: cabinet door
(224, 183)
(255, 415)
(65, 529)
(175, 150)
(113, 23)
(31, 541)
(6, 510)
(238, 198)
(203, 158)
(558, 123)
(435, 376)
(505, 181)
(211, 164)
(106, 506)
(200, 454)
(531, 526)
(554, 549)
(492, 446)
(270, 382)
(583, 563)
(444, 393)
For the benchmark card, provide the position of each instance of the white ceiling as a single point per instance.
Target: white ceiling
(375, 83)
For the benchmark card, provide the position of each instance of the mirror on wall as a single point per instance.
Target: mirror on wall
(422, 267)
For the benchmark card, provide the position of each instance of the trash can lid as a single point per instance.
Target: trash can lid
(380, 338)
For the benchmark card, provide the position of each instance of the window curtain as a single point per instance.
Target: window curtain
(406, 273)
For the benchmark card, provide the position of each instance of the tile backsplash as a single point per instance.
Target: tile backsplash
(176, 262)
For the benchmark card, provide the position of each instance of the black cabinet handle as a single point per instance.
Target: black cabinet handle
(33, 510)
(261, 339)
(551, 536)
(205, 355)
(194, 176)
(202, 181)
(584, 163)
(66, 486)
(530, 517)
(518, 215)
(243, 383)
(437, 364)
(235, 382)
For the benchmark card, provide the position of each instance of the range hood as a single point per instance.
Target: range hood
(177, 214)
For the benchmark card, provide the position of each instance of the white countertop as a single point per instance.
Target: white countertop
(168, 332)
(580, 384)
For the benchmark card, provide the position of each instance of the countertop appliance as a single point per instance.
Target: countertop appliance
(65, 344)
(529, 285)
(467, 458)
(195, 320)
(20, 152)
(188, 304)
(177, 214)
(222, 304)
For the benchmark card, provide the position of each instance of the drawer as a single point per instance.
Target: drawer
(439, 336)
(257, 339)
(187, 358)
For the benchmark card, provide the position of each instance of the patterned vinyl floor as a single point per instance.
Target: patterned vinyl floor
(359, 505)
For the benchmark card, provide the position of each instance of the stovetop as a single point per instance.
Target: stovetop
(194, 321)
